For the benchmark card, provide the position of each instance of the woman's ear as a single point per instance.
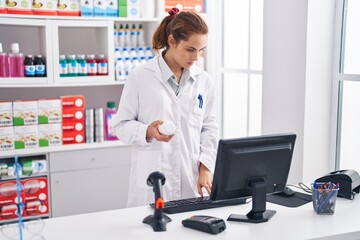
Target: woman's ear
(171, 41)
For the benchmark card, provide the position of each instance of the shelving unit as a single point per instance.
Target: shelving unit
(74, 170)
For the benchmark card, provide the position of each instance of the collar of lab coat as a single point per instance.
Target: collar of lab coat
(153, 66)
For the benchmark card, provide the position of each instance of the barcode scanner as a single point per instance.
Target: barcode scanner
(158, 220)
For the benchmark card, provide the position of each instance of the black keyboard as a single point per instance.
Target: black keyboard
(199, 203)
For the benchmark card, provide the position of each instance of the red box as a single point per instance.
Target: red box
(74, 126)
(35, 189)
(9, 211)
(36, 208)
(73, 115)
(185, 5)
(72, 137)
(73, 101)
(8, 194)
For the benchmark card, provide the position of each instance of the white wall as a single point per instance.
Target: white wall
(297, 80)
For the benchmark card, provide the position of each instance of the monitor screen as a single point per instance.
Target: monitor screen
(252, 167)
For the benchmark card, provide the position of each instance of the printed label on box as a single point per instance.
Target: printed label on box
(99, 8)
(26, 137)
(6, 138)
(50, 135)
(6, 114)
(49, 111)
(19, 6)
(44, 7)
(69, 8)
(111, 8)
(87, 8)
(25, 113)
(73, 137)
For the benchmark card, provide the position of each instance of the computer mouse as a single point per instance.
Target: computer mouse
(287, 192)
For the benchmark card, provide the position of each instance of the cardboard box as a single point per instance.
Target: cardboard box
(100, 8)
(8, 211)
(87, 8)
(2, 6)
(6, 114)
(73, 115)
(68, 8)
(73, 126)
(31, 167)
(73, 137)
(129, 11)
(36, 208)
(8, 194)
(26, 137)
(19, 6)
(49, 111)
(25, 113)
(197, 6)
(45, 7)
(112, 8)
(35, 189)
(50, 135)
(6, 138)
(73, 101)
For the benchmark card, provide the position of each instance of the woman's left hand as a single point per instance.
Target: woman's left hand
(205, 179)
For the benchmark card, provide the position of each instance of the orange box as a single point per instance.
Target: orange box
(73, 101)
(72, 137)
(186, 5)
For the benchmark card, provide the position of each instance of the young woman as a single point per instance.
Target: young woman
(170, 88)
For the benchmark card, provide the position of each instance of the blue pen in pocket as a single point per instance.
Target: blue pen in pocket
(200, 101)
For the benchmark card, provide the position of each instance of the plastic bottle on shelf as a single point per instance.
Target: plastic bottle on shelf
(117, 54)
(63, 66)
(140, 52)
(110, 112)
(16, 62)
(133, 54)
(116, 42)
(29, 66)
(133, 36)
(73, 66)
(91, 65)
(148, 53)
(142, 60)
(121, 36)
(125, 54)
(82, 65)
(120, 70)
(102, 65)
(135, 63)
(128, 67)
(4, 65)
(127, 36)
(40, 66)
(140, 36)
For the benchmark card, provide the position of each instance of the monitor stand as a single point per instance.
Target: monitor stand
(258, 213)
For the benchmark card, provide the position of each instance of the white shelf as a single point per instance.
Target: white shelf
(62, 148)
(115, 19)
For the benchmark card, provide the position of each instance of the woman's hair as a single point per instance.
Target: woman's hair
(181, 25)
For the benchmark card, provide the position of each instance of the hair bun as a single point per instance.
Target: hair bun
(173, 12)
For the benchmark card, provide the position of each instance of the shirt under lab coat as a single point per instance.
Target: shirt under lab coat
(147, 97)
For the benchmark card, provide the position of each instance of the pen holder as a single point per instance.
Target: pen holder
(324, 200)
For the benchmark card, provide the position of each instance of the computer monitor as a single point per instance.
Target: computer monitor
(252, 167)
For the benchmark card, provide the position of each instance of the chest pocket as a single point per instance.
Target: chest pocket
(197, 107)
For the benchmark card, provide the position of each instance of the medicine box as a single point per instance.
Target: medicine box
(73, 101)
(36, 196)
(73, 114)
(129, 11)
(197, 6)
(8, 194)
(6, 114)
(68, 8)
(130, 2)
(49, 111)
(31, 167)
(45, 7)
(19, 6)
(2, 6)
(25, 113)
(73, 126)
(112, 8)
(87, 8)
(50, 135)
(73, 137)
(6, 138)
(26, 136)
(100, 8)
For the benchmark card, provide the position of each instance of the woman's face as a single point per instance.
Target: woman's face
(186, 53)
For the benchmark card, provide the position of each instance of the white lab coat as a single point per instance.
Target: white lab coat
(146, 98)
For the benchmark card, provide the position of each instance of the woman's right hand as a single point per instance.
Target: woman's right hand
(152, 132)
